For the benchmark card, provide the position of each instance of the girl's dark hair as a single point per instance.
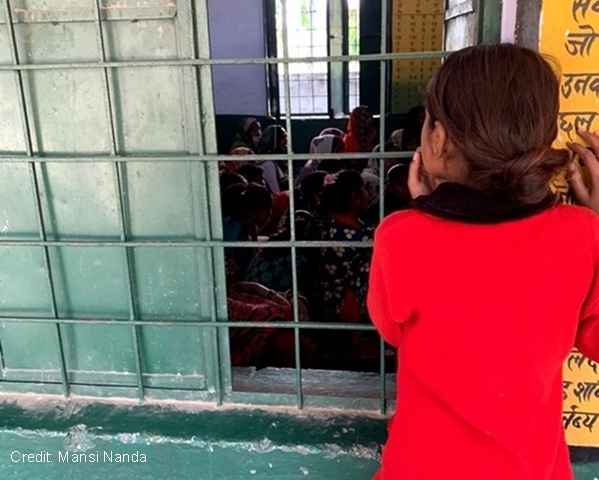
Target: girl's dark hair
(238, 200)
(499, 104)
(337, 196)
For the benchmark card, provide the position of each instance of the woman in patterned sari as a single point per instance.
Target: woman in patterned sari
(344, 274)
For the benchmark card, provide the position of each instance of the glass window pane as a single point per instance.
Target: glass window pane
(307, 36)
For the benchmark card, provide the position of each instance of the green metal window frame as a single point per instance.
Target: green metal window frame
(326, 33)
(338, 72)
(214, 323)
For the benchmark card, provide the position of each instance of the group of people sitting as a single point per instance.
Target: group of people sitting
(334, 200)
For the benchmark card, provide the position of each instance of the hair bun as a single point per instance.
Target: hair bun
(499, 105)
(529, 175)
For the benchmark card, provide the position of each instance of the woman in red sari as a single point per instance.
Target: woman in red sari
(360, 136)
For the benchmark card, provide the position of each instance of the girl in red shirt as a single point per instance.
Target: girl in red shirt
(487, 283)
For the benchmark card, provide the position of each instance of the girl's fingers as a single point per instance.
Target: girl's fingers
(592, 140)
(415, 183)
(588, 158)
(418, 180)
(579, 189)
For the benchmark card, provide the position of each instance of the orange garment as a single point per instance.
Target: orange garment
(360, 135)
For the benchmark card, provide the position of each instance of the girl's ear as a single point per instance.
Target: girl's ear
(439, 139)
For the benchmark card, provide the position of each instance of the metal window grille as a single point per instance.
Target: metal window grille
(204, 249)
(307, 36)
(353, 40)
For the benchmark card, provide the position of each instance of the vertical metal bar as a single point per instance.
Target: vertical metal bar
(119, 187)
(345, 48)
(337, 43)
(383, 383)
(296, 330)
(480, 24)
(218, 381)
(383, 107)
(383, 113)
(270, 26)
(492, 20)
(2, 363)
(36, 190)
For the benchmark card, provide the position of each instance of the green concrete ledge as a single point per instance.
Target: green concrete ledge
(184, 441)
(188, 440)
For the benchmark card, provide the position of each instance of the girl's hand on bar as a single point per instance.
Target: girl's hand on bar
(418, 181)
(587, 196)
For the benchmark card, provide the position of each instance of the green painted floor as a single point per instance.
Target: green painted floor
(183, 444)
(192, 444)
(171, 459)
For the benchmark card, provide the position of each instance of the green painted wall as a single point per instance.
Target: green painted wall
(80, 113)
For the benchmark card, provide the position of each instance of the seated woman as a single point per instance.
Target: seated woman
(247, 209)
(263, 347)
(335, 132)
(229, 179)
(253, 174)
(273, 141)
(397, 195)
(344, 274)
(272, 266)
(332, 131)
(372, 180)
(234, 165)
(361, 134)
(319, 145)
(309, 194)
(248, 135)
(373, 167)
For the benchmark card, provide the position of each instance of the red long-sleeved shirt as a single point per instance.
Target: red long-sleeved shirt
(483, 317)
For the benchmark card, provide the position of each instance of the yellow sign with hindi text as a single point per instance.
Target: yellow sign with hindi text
(570, 34)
